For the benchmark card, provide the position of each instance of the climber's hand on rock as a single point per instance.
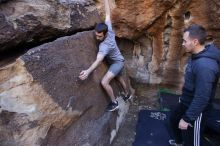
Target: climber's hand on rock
(84, 74)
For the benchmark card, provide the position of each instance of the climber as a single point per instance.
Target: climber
(108, 49)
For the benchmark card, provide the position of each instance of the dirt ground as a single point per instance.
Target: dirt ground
(145, 98)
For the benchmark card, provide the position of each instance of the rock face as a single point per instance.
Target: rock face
(44, 103)
(154, 29)
(26, 22)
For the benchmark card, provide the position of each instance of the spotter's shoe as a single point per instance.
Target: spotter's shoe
(173, 143)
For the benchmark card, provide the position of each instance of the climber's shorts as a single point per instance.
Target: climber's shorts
(117, 68)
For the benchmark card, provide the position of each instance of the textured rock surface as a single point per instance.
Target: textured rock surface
(29, 21)
(44, 103)
(155, 29)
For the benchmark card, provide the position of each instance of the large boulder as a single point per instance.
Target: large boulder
(43, 102)
(31, 22)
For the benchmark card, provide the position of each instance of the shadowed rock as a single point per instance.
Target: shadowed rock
(30, 22)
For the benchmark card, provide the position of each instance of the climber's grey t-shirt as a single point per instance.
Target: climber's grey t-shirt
(109, 48)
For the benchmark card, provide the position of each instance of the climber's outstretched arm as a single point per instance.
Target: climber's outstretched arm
(108, 14)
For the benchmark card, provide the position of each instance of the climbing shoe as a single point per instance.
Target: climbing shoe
(112, 106)
(127, 97)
